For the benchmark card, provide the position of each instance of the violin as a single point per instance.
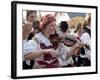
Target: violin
(55, 39)
(68, 40)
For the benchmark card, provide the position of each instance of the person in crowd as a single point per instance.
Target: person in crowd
(83, 59)
(88, 20)
(38, 47)
(28, 23)
(27, 27)
(63, 32)
(35, 23)
(86, 39)
(78, 31)
(62, 28)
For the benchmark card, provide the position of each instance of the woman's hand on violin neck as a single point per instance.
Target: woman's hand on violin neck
(78, 45)
(82, 45)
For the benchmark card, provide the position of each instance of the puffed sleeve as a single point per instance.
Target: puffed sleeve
(30, 46)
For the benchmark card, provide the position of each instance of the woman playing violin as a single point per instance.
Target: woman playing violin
(42, 50)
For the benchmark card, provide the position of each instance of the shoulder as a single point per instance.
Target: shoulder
(30, 43)
(38, 36)
(30, 46)
(85, 38)
(85, 35)
(42, 39)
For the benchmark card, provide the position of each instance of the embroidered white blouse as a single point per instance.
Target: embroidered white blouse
(32, 46)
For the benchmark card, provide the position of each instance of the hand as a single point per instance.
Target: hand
(76, 48)
(51, 51)
(79, 45)
(27, 27)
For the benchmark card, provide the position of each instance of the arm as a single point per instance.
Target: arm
(32, 55)
(35, 54)
(74, 50)
(27, 27)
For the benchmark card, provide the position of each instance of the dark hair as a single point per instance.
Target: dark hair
(29, 12)
(63, 26)
(36, 30)
(85, 29)
(84, 24)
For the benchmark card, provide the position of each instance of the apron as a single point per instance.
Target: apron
(48, 61)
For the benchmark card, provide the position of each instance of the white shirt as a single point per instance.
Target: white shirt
(85, 38)
(32, 45)
(63, 61)
(24, 51)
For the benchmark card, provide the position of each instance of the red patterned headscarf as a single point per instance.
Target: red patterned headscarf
(46, 20)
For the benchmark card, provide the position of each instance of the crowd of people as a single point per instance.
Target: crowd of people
(50, 45)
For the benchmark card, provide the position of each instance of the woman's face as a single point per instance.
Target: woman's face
(50, 28)
(32, 17)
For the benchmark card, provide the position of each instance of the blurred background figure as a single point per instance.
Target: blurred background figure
(28, 23)
(86, 39)
(28, 28)
(62, 28)
(78, 31)
(60, 16)
(88, 20)
(84, 32)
